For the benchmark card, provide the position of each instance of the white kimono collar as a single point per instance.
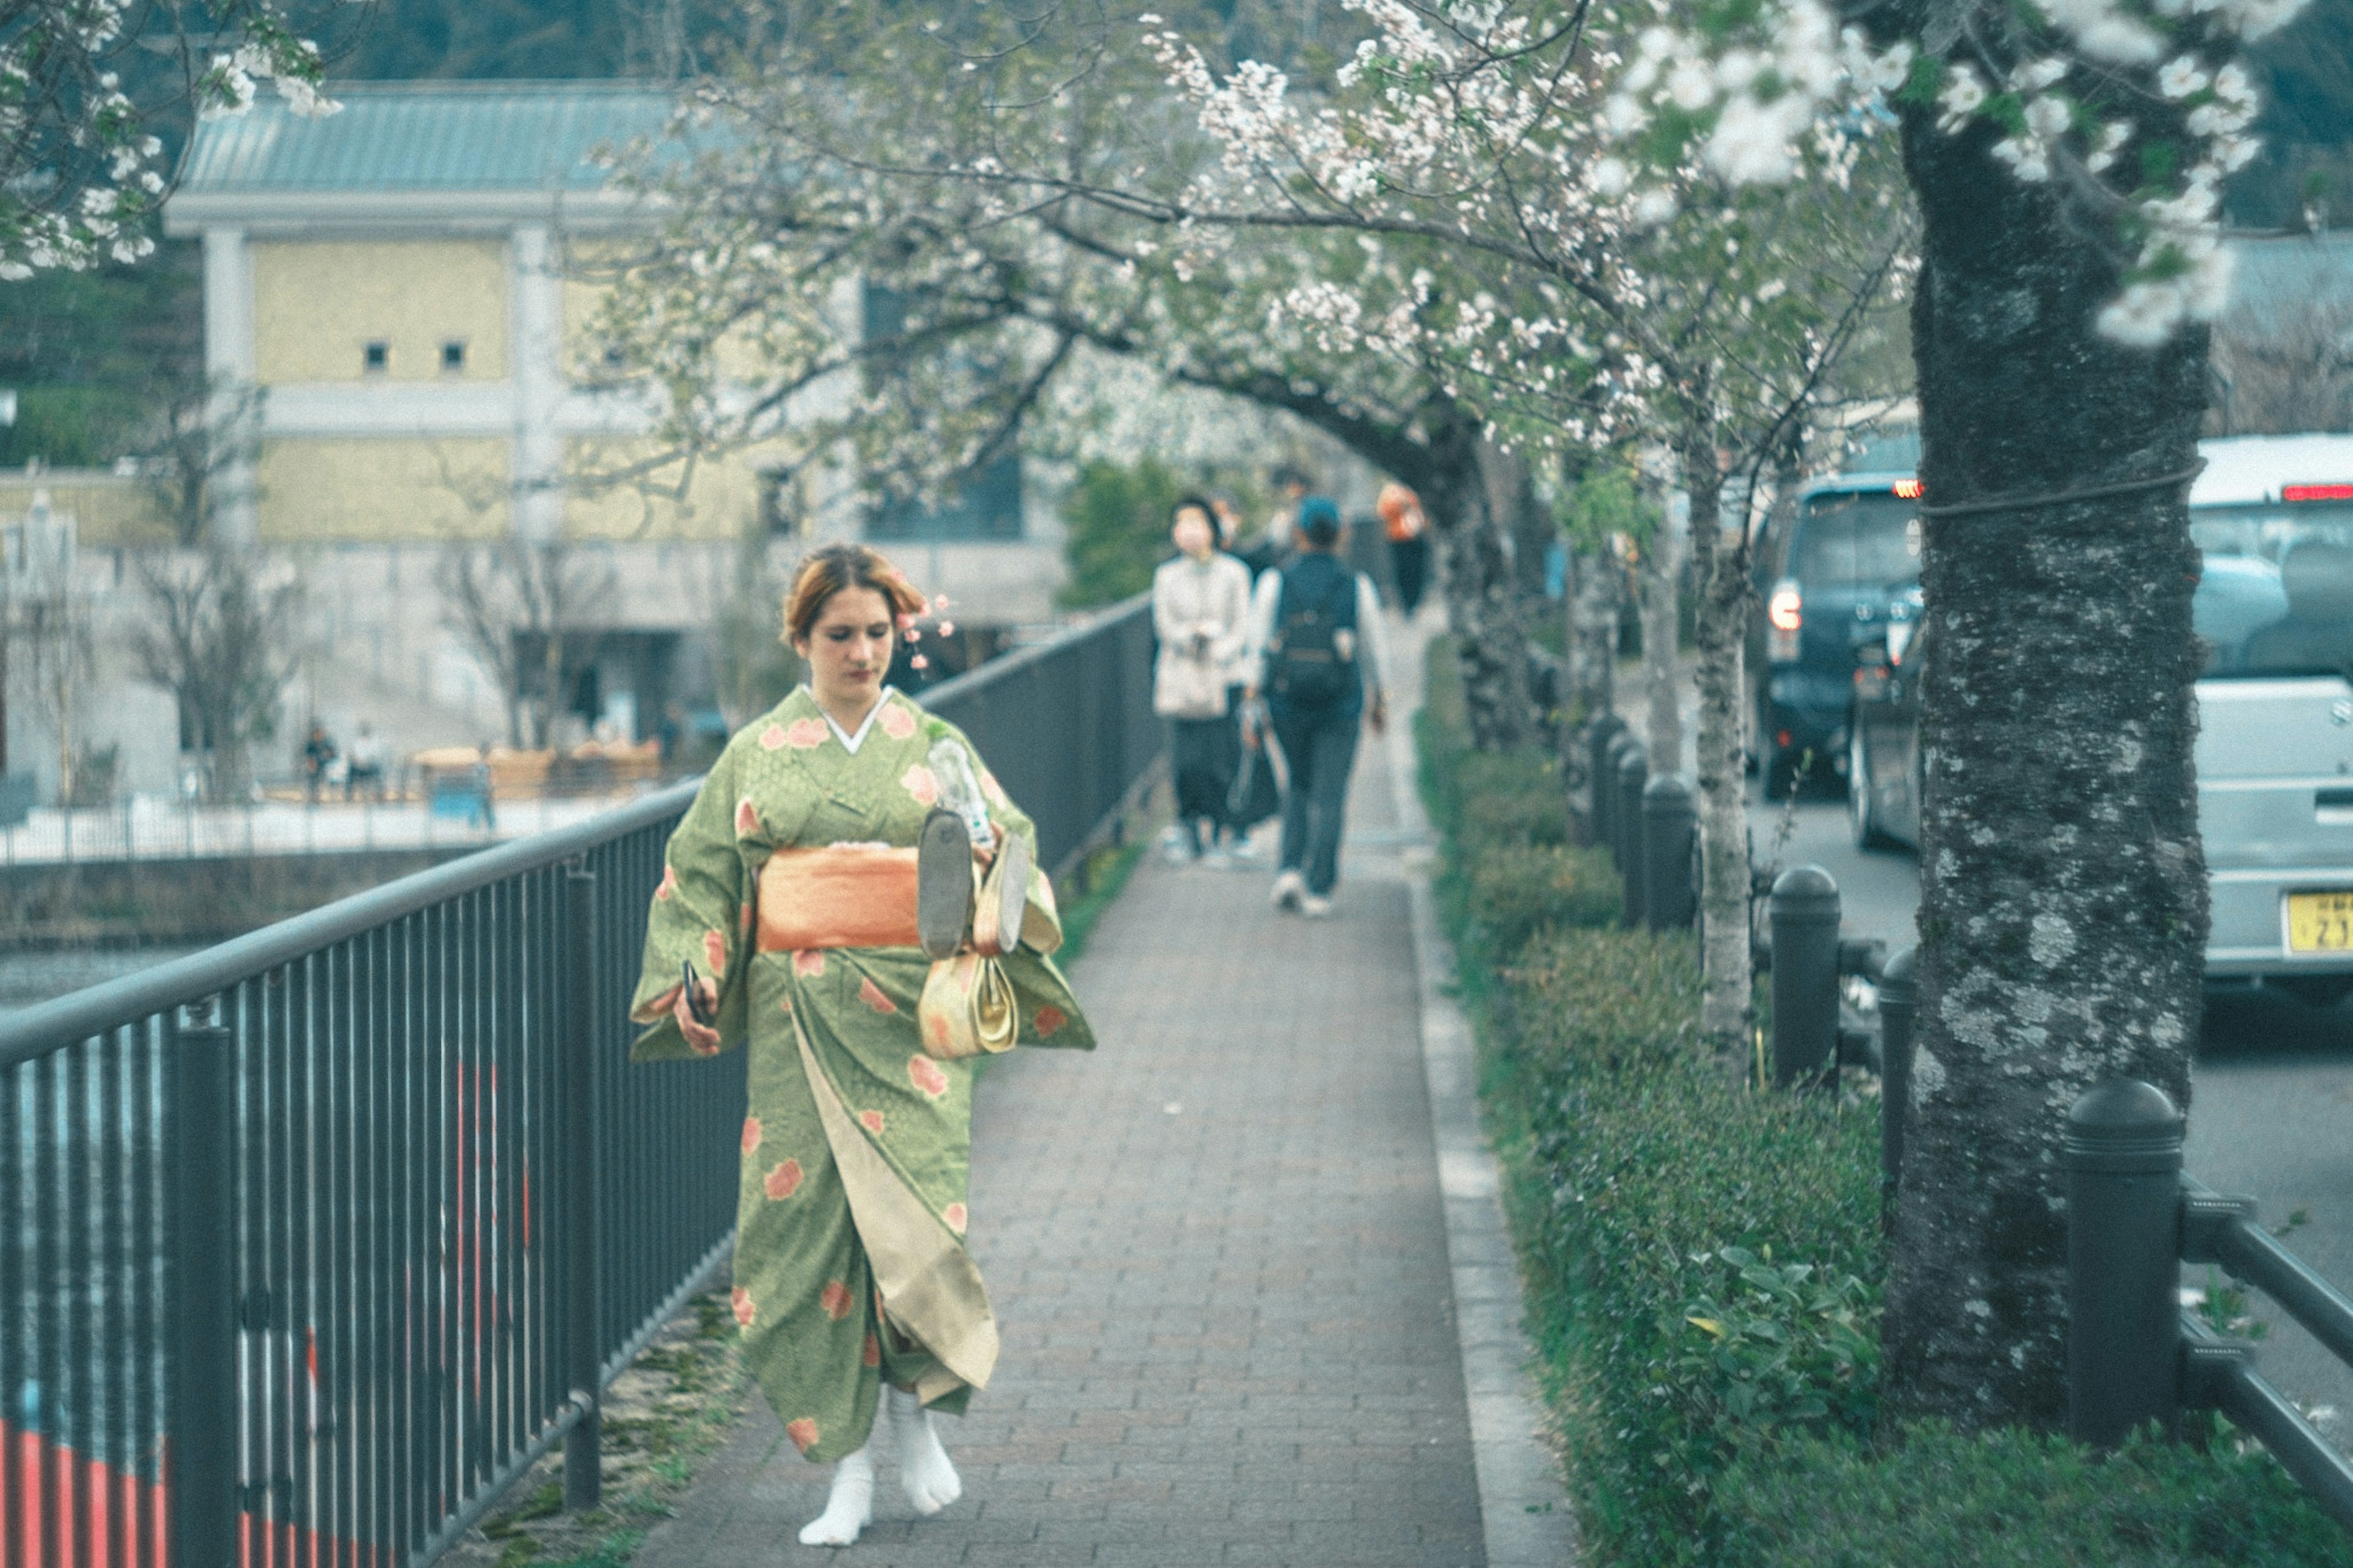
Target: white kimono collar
(850, 743)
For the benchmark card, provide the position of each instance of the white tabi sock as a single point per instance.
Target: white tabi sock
(931, 1481)
(849, 1506)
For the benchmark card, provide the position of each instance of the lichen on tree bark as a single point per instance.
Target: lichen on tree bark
(2063, 914)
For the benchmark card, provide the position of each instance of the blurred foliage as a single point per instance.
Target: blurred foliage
(1115, 516)
(96, 357)
(2304, 76)
(1609, 500)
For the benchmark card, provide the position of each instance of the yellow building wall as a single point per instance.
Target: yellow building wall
(318, 303)
(585, 291)
(403, 487)
(107, 508)
(720, 499)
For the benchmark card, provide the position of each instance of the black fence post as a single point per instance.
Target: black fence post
(1899, 999)
(1599, 770)
(201, 1168)
(2122, 1157)
(1634, 773)
(584, 1444)
(1670, 821)
(1605, 793)
(1804, 911)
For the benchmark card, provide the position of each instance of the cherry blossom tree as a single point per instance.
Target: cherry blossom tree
(1606, 276)
(2068, 156)
(912, 287)
(83, 85)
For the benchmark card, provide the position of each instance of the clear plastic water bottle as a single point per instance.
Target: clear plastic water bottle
(950, 768)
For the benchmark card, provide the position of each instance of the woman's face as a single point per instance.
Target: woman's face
(1193, 533)
(849, 648)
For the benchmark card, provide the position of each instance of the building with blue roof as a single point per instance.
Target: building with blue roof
(406, 287)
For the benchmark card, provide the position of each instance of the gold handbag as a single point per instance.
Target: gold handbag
(969, 1005)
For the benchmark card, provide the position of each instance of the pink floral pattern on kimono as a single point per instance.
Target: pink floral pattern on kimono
(925, 1074)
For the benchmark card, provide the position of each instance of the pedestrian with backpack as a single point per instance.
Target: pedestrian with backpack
(1315, 641)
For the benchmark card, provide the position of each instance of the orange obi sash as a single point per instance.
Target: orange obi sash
(843, 895)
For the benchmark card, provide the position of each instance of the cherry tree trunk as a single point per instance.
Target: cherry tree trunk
(1663, 719)
(1592, 643)
(1483, 608)
(1721, 570)
(2063, 915)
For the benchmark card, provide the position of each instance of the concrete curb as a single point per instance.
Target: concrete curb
(1523, 1505)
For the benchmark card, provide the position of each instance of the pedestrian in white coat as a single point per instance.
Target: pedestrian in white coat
(1200, 604)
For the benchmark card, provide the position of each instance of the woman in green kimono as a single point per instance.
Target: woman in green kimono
(789, 906)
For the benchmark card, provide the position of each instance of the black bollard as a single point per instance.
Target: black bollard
(1605, 788)
(1633, 773)
(1669, 822)
(1804, 909)
(2123, 1155)
(1899, 996)
(1604, 730)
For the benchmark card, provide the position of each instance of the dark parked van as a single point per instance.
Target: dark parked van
(1848, 556)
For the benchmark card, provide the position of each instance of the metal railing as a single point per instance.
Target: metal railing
(342, 1225)
(151, 829)
(1066, 725)
(2134, 1356)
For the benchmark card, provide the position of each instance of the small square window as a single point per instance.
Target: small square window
(376, 357)
(453, 358)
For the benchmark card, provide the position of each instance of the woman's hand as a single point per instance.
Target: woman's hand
(701, 1036)
(985, 855)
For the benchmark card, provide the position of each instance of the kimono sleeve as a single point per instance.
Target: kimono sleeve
(1050, 1013)
(697, 917)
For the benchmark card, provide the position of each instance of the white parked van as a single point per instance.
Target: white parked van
(2273, 517)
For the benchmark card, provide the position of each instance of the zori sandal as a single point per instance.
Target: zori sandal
(1004, 898)
(943, 884)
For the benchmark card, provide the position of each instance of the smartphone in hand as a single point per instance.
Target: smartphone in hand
(693, 984)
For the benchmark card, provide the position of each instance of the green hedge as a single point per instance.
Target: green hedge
(1703, 1262)
(2014, 1500)
(1717, 1250)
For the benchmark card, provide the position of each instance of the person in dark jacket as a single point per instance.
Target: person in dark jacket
(1315, 651)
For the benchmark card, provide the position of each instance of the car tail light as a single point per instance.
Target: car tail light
(1784, 615)
(1907, 490)
(2317, 492)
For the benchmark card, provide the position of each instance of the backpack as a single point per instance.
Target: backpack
(1312, 664)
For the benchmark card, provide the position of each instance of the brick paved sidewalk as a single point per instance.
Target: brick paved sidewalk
(1216, 1250)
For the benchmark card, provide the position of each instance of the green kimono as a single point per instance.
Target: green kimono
(850, 1259)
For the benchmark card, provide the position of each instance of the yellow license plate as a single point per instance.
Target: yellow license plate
(2320, 922)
